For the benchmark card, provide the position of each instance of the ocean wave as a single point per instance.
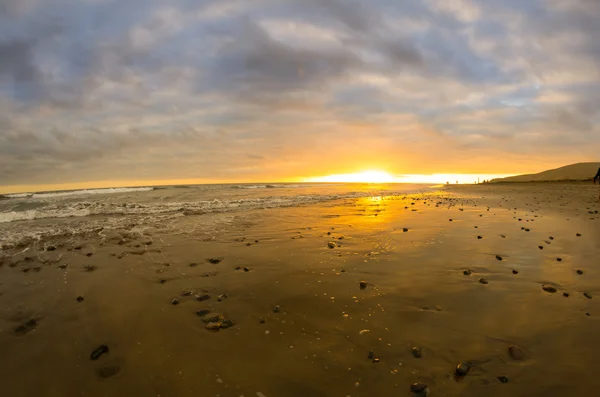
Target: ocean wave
(82, 209)
(111, 190)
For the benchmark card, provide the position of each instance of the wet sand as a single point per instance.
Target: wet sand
(318, 342)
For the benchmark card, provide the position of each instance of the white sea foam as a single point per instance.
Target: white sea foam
(81, 192)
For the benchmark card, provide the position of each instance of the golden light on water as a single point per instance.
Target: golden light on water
(377, 176)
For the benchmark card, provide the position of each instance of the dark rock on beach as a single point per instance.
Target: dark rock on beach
(516, 353)
(417, 352)
(483, 280)
(100, 350)
(503, 379)
(467, 272)
(549, 288)
(419, 389)
(463, 368)
(215, 261)
(79, 299)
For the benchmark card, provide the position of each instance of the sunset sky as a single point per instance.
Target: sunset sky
(102, 92)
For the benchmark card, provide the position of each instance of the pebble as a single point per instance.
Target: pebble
(419, 388)
(90, 268)
(201, 298)
(213, 326)
(203, 312)
(108, 371)
(212, 318)
(214, 261)
(417, 352)
(331, 244)
(50, 248)
(276, 309)
(405, 229)
(193, 264)
(186, 293)
(483, 280)
(566, 294)
(246, 269)
(463, 368)
(100, 350)
(549, 288)
(498, 257)
(467, 272)
(174, 301)
(362, 284)
(587, 295)
(559, 259)
(162, 281)
(516, 352)
(578, 234)
(579, 271)
(227, 324)
(503, 379)
(515, 271)
(261, 320)
(479, 237)
(450, 219)
(79, 299)
(541, 247)
(551, 238)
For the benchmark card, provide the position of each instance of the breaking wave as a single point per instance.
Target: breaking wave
(111, 190)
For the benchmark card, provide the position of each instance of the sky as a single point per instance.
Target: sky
(101, 92)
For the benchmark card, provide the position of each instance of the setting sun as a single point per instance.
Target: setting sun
(361, 177)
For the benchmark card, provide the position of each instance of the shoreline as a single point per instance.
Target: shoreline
(319, 324)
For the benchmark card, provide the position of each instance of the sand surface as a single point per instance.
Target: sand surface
(303, 326)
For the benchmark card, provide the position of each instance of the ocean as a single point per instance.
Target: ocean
(29, 217)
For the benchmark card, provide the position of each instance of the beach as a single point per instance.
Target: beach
(303, 291)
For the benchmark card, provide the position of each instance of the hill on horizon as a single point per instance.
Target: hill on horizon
(572, 172)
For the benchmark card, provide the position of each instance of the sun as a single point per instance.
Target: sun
(359, 177)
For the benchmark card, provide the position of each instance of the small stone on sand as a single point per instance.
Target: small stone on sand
(479, 237)
(276, 309)
(503, 379)
(498, 257)
(215, 261)
(559, 259)
(579, 271)
(174, 301)
(201, 298)
(331, 244)
(100, 350)
(362, 284)
(483, 280)
(549, 288)
(467, 272)
(515, 271)
(566, 294)
(463, 368)
(405, 230)
(417, 352)
(419, 388)
(516, 352)
(587, 295)
(79, 299)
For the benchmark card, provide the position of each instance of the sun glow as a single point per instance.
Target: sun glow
(375, 176)
(361, 177)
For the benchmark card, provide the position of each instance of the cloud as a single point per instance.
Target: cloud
(91, 90)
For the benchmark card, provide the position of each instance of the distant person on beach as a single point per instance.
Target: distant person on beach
(597, 179)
